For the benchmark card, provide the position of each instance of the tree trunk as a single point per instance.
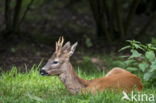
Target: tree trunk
(131, 13)
(25, 12)
(99, 15)
(7, 16)
(119, 19)
(145, 27)
(16, 18)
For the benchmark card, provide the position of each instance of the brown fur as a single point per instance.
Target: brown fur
(120, 81)
(116, 79)
(116, 70)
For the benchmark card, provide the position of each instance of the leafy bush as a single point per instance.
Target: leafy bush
(141, 60)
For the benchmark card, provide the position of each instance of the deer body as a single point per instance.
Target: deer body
(119, 82)
(116, 79)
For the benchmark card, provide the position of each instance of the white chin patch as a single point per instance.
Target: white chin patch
(42, 73)
(43, 68)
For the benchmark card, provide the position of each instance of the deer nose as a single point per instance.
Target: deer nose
(43, 72)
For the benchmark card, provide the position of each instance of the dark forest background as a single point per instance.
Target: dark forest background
(30, 28)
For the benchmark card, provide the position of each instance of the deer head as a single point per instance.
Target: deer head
(56, 64)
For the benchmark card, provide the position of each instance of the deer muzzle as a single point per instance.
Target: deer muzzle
(43, 72)
(52, 72)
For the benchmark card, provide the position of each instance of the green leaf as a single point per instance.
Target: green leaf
(150, 55)
(124, 48)
(135, 54)
(124, 56)
(138, 46)
(147, 76)
(153, 48)
(143, 66)
(132, 69)
(89, 42)
(153, 66)
(129, 62)
(13, 50)
(143, 46)
(119, 63)
(150, 47)
(133, 41)
(35, 98)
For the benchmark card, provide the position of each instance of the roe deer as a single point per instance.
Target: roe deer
(59, 65)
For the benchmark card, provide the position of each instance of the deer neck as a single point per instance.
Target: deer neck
(71, 80)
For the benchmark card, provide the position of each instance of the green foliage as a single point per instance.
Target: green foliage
(13, 50)
(88, 42)
(153, 41)
(141, 60)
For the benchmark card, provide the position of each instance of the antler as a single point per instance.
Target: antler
(59, 44)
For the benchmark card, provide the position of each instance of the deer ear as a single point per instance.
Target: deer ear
(66, 46)
(72, 49)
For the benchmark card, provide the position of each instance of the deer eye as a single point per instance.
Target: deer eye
(55, 62)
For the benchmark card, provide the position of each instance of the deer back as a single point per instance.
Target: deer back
(121, 81)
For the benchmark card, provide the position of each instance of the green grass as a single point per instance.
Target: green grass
(31, 87)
